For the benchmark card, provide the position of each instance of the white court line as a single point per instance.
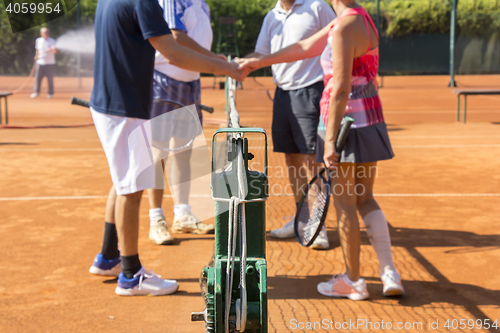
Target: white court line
(76, 197)
(437, 195)
(449, 146)
(260, 147)
(395, 136)
(439, 111)
(52, 149)
(416, 195)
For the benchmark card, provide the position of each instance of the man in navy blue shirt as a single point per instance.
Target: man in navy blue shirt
(127, 34)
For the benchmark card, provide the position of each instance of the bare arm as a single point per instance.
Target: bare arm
(183, 39)
(308, 48)
(36, 55)
(343, 48)
(186, 58)
(254, 55)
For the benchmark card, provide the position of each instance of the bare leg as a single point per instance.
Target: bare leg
(365, 177)
(181, 177)
(127, 222)
(313, 167)
(155, 198)
(297, 174)
(109, 215)
(345, 204)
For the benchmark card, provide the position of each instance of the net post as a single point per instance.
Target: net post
(452, 42)
(78, 55)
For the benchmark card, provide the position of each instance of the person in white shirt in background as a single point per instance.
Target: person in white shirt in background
(45, 62)
(296, 108)
(189, 21)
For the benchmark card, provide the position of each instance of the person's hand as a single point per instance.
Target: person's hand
(250, 63)
(36, 57)
(221, 56)
(236, 73)
(330, 156)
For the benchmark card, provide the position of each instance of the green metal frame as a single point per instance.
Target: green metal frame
(256, 266)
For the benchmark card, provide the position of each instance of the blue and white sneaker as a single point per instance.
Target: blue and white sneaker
(145, 282)
(102, 266)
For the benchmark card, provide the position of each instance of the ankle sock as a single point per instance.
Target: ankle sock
(155, 212)
(378, 233)
(130, 265)
(109, 248)
(180, 210)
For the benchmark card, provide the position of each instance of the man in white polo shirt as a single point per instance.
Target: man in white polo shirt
(189, 21)
(45, 62)
(299, 88)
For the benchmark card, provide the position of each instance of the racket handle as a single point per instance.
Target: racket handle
(78, 101)
(207, 108)
(344, 130)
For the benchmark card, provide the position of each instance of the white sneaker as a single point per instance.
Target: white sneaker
(105, 267)
(145, 282)
(341, 286)
(34, 95)
(285, 231)
(321, 242)
(188, 223)
(158, 231)
(392, 283)
(50, 96)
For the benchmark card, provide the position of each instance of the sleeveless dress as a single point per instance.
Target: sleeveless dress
(368, 139)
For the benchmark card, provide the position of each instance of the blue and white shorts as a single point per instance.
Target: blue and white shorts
(182, 93)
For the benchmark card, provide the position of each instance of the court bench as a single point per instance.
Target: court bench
(4, 94)
(466, 92)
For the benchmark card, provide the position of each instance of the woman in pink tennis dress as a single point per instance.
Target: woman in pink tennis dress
(350, 58)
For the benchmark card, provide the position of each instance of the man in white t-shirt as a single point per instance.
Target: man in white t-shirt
(299, 89)
(45, 62)
(189, 21)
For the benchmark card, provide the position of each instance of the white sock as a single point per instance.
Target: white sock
(154, 213)
(180, 210)
(378, 233)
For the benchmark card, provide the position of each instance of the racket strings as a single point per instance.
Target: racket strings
(312, 211)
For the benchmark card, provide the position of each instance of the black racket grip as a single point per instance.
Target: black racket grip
(78, 101)
(344, 130)
(207, 108)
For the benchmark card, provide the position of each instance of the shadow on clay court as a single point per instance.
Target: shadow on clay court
(178, 241)
(419, 293)
(17, 144)
(392, 128)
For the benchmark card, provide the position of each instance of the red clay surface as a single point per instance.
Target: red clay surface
(441, 196)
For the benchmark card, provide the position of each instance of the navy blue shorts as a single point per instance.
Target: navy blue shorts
(295, 119)
(184, 93)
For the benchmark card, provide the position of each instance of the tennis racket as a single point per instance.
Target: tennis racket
(84, 103)
(313, 205)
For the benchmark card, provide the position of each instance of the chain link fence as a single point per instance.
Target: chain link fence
(415, 36)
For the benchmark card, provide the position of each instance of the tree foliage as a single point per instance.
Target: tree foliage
(406, 17)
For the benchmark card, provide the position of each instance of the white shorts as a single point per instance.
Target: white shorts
(127, 145)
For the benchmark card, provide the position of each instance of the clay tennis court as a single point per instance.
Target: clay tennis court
(441, 195)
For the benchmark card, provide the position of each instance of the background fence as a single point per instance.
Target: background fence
(415, 36)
